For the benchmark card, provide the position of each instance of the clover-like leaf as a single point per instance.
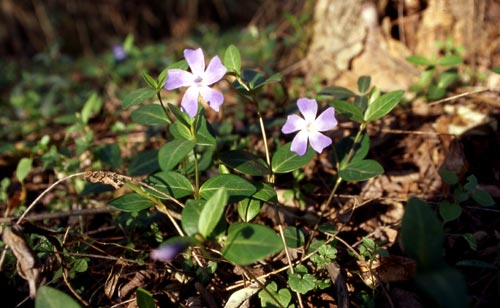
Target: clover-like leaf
(301, 283)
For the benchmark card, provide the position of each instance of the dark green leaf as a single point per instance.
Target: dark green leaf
(172, 183)
(364, 83)
(445, 285)
(482, 198)
(337, 92)
(496, 69)
(449, 211)
(145, 162)
(265, 192)
(131, 202)
(110, 155)
(244, 162)
(382, 105)
(422, 235)
(48, 297)
(284, 160)
(448, 177)
(237, 188)
(361, 170)
(360, 150)
(232, 59)
(212, 212)
(204, 133)
(191, 215)
(294, 237)
(283, 296)
(471, 184)
(174, 152)
(248, 243)
(450, 60)
(420, 60)
(138, 96)
(150, 81)
(348, 110)
(248, 208)
(151, 114)
(180, 131)
(144, 299)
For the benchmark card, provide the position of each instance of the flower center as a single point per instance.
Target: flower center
(311, 126)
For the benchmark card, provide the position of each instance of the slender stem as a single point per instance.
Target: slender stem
(196, 176)
(165, 108)
(250, 274)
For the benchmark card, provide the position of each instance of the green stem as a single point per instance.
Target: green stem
(266, 147)
(165, 108)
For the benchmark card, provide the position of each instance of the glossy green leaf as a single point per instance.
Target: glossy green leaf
(449, 211)
(422, 235)
(204, 132)
(348, 110)
(232, 59)
(48, 297)
(248, 243)
(361, 170)
(23, 168)
(162, 78)
(131, 202)
(284, 160)
(180, 116)
(248, 208)
(146, 162)
(450, 60)
(144, 299)
(191, 215)
(244, 162)
(174, 152)
(236, 187)
(338, 92)
(420, 60)
(170, 182)
(138, 96)
(180, 131)
(150, 81)
(294, 237)
(364, 83)
(382, 105)
(151, 114)
(361, 102)
(265, 192)
(212, 212)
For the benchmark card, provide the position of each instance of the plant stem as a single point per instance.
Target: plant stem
(165, 108)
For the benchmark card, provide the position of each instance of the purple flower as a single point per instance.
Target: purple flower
(198, 81)
(167, 252)
(119, 53)
(310, 127)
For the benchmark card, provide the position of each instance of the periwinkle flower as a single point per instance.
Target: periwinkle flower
(198, 80)
(169, 251)
(310, 127)
(119, 53)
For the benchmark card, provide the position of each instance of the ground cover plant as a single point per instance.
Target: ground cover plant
(202, 177)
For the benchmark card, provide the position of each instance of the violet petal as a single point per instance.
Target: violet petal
(293, 123)
(299, 143)
(189, 102)
(308, 107)
(178, 78)
(326, 120)
(215, 71)
(196, 60)
(319, 141)
(213, 97)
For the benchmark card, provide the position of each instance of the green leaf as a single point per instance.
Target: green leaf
(23, 168)
(337, 92)
(110, 155)
(255, 80)
(162, 78)
(348, 110)
(144, 299)
(445, 285)
(496, 69)
(448, 177)
(248, 208)
(436, 92)
(360, 150)
(170, 182)
(151, 114)
(212, 212)
(145, 162)
(422, 235)
(131, 202)
(248, 243)
(150, 81)
(284, 160)
(294, 237)
(232, 59)
(446, 78)
(382, 105)
(420, 60)
(48, 297)
(482, 197)
(283, 296)
(237, 188)
(191, 215)
(361, 170)
(265, 192)
(174, 152)
(91, 107)
(204, 132)
(364, 83)
(450, 60)
(138, 96)
(471, 184)
(244, 162)
(471, 240)
(180, 131)
(449, 211)
(301, 283)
